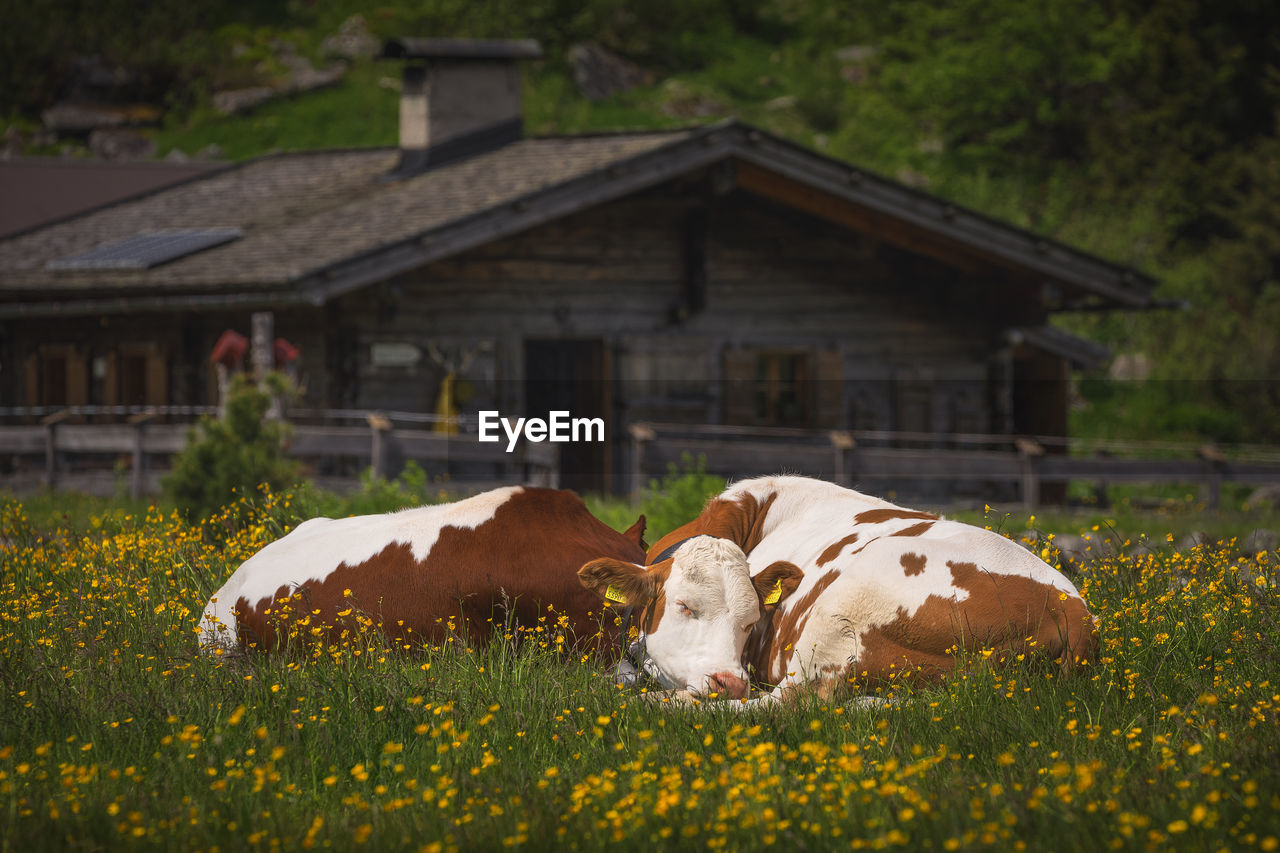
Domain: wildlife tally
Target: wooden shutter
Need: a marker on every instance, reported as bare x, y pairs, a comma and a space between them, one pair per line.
828, 405
157, 393
77, 377
111, 382
739, 387
31, 379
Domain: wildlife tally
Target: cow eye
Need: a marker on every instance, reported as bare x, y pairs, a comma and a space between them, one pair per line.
683, 608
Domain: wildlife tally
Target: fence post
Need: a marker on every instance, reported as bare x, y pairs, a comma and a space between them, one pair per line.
139, 466
50, 424
1028, 451
640, 433
841, 442
1101, 496
380, 429
1213, 459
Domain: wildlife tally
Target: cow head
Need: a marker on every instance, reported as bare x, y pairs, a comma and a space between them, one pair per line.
697, 608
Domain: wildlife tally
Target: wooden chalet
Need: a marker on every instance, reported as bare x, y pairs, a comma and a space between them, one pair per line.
709, 275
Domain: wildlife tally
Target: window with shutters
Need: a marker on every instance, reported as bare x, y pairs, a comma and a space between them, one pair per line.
133, 379
138, 375
794, 388
57, 375
781, 389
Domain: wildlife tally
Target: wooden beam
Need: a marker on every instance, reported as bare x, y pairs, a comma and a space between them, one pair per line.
380, 434
842, 212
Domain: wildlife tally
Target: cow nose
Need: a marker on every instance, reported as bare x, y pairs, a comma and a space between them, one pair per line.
728, 684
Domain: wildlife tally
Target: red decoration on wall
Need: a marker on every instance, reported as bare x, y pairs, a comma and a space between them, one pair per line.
230, 349
285, 353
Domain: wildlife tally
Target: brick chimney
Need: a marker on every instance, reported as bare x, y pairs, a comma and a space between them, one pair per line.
459, 97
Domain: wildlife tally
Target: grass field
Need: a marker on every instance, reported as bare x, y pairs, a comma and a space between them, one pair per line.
115, 733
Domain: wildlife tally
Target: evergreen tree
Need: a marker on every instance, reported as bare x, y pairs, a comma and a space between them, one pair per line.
230, 454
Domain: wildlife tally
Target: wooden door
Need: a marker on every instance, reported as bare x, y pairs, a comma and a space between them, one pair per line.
572, 376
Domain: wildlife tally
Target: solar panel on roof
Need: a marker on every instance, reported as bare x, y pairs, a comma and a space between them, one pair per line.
148, 249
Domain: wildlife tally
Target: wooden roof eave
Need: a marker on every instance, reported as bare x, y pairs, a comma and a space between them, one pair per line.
926, 224
1064, 345
127, 303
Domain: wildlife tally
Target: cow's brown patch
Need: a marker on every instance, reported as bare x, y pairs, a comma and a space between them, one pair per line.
653, 611
768, 638
625, 581
912, 564
741, 521
783, 574
652, 614
512, 566
834, 549
878, 516
1011, 614
913, 530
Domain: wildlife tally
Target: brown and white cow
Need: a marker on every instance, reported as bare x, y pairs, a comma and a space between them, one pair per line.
796, 582
413, 571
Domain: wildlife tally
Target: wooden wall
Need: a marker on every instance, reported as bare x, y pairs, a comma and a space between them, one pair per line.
148, 358
891, 339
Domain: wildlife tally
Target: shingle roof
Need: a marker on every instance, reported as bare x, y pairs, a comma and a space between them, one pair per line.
318, 224
302, 212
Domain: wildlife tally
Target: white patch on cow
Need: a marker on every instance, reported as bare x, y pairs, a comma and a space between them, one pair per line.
803, 516
873, 589
316, 548
709, 577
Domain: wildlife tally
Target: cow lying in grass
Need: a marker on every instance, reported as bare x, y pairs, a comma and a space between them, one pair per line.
805, 585
413, 573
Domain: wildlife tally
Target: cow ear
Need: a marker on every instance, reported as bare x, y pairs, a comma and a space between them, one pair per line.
618, 581
777, 582
636, 533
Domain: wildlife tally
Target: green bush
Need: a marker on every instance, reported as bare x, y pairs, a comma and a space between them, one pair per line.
679, 497
234, 453
676, 499
378, 494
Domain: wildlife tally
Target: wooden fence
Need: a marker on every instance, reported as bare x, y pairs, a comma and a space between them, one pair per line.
63, 451
1018, 462
66, 449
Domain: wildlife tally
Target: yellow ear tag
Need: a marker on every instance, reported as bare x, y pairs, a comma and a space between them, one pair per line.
613, 595
775, 594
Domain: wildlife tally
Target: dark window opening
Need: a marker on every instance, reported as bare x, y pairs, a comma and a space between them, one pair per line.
53, 380
133, 380
781, 389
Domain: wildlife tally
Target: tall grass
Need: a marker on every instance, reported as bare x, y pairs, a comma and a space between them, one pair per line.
115, 732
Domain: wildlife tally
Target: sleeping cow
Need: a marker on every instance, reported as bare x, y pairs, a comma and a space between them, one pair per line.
797, 583
411, 572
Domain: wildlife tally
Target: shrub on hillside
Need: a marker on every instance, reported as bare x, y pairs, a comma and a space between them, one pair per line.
236, 452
